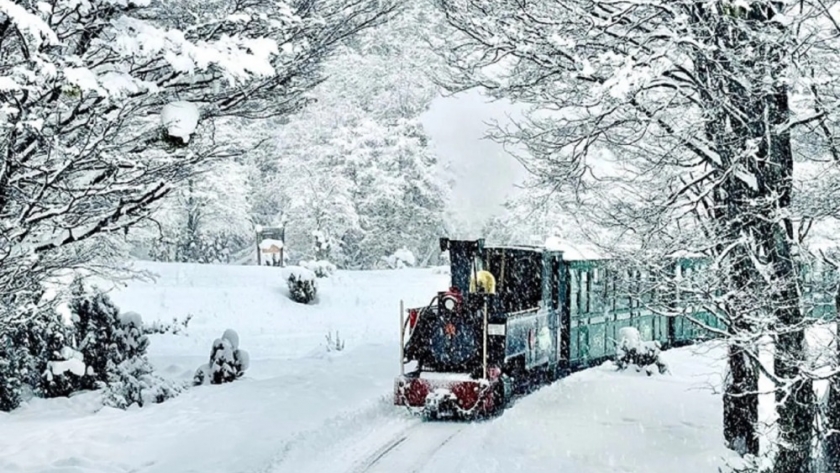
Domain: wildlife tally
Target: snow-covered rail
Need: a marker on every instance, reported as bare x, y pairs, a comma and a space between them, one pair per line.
411, 450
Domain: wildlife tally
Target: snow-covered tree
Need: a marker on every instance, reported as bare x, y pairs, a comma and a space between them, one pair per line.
205, 219
104, 105
36, 358
673, 127
10, 373
356, 168
111, 348
531, 216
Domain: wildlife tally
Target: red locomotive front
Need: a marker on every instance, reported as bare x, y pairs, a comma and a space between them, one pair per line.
446, 346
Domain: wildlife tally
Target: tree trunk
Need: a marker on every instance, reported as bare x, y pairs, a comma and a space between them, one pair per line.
740, 404
756, 215
796, 404
831, 442
740, 395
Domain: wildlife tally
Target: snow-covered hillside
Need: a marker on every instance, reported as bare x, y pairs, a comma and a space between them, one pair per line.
303, 409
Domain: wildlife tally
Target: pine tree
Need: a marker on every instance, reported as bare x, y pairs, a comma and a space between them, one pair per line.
113, 346
227, 362
10, 374
98, 326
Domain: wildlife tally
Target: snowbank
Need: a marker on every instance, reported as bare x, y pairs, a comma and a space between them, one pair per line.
362, 305
601, 420
401, 258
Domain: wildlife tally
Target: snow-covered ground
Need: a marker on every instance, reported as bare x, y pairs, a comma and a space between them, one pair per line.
303, 409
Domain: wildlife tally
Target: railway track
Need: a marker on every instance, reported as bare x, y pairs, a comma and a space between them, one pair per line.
410, 451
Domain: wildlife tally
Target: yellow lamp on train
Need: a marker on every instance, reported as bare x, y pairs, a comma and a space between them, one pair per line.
486, 282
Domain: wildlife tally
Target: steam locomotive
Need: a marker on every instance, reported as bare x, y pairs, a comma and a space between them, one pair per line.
518, 316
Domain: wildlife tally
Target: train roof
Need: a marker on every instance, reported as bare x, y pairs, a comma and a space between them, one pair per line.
571, 251
574, 251
516, 247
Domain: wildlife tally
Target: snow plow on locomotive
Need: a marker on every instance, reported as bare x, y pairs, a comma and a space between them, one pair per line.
493, 329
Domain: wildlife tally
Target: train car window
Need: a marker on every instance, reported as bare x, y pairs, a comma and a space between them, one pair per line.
597, 301
555, 283
620, 290
535, 283
584, 292
677, 283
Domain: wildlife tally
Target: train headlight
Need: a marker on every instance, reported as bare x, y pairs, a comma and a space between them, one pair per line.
449, 303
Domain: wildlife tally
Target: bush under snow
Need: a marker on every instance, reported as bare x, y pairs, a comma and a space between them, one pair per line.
96, 347
302, 283
35, 354
227, 361
113, 352
631, 350
400, 259
64, 373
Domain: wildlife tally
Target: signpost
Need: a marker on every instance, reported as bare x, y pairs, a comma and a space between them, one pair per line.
270, 245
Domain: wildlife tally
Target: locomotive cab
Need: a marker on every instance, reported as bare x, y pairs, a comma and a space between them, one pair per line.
446, 336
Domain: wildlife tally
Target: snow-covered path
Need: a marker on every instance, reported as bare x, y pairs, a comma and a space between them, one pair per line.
412, 450
301, 409
593, 421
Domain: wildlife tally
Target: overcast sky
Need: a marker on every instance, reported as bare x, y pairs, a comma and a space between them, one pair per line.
485, 174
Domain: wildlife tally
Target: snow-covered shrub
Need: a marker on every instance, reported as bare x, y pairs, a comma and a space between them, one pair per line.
113, 347
227, 362
301, 282
334, 344
631, 350
134, 381
64, 373
11, 385
173, 328
28, 346
400, 259
106, 337
321, 268
45, 355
